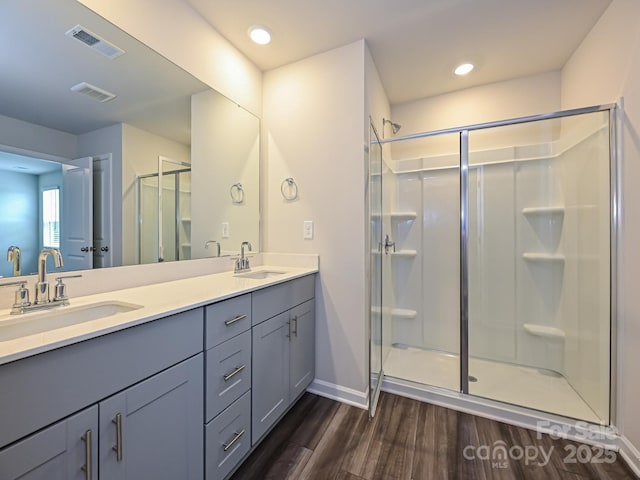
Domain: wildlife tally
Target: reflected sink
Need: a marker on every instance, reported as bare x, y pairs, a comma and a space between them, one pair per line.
260, 275
16, 326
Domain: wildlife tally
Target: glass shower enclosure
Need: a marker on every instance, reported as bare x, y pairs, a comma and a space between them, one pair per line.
501, 281
164, 213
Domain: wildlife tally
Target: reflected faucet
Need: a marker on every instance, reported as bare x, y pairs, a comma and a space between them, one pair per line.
242, 263
42, 286
209, 242
15, 255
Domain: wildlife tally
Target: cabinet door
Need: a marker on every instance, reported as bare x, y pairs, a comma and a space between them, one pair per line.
270, 376
154, 429
303, 351
59, 452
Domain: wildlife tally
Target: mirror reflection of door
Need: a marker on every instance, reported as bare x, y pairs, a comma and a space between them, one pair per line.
76, 220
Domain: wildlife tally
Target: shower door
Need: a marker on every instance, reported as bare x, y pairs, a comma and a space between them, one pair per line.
375, 253
539, 281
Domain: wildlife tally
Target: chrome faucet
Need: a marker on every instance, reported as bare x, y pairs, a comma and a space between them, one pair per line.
15, 255
242, 263
42, 286
209, 242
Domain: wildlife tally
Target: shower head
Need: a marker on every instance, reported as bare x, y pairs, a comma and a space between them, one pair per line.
395, 127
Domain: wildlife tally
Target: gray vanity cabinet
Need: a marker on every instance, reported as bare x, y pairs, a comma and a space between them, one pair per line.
303, 348
151, 430
154, 429
283, 350
59, 452
270, 387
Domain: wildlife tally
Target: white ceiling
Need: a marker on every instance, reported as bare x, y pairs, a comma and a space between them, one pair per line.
415, 43
11, 162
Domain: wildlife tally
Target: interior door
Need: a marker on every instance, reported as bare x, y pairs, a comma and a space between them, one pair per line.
376, 265
76, 217
102, 212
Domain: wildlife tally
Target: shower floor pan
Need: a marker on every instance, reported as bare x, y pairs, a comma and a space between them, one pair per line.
518, 385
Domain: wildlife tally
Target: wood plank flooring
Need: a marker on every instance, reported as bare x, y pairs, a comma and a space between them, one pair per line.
320, 439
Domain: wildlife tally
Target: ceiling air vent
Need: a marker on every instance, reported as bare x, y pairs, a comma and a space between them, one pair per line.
97, 43
94, 92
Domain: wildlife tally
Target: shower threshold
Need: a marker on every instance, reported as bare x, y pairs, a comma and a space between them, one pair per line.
504, 382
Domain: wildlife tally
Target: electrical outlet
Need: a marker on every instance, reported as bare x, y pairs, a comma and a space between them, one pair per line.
225, 229
307, 230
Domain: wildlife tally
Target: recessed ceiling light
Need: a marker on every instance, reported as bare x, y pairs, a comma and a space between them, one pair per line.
463, 69
260, 34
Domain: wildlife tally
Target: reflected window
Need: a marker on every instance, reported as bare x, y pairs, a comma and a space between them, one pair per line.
51, 218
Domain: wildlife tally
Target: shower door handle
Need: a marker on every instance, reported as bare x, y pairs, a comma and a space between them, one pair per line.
388, 244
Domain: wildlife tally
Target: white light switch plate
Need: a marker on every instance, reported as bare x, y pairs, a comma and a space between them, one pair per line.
307, 230
225, 230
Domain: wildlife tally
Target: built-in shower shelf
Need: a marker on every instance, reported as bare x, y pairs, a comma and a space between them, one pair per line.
557, 210
543, 257
404, 253
398, 216
400, 313
544, 331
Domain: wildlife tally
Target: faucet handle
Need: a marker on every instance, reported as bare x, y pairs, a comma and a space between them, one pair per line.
60, 292
21, 298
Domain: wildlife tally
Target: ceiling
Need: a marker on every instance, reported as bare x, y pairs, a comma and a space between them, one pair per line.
415, 43
40, 64
11, 162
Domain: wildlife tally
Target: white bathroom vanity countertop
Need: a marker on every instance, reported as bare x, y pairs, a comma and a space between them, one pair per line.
157, 301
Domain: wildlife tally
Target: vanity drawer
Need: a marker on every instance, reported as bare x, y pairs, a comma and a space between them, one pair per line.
226, 319
228, 438
231, 360
271, 301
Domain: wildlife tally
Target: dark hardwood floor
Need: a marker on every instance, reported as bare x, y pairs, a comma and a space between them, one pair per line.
325, 440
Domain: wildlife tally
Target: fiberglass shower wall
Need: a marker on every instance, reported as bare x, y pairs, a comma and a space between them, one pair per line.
539, 249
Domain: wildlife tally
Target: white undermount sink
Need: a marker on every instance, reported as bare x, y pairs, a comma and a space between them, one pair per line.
260, 274
22, 325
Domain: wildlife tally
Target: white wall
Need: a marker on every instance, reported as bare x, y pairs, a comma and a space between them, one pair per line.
496, 101
604, 68
175, 30
140, 151
225, 150
29, 136
313, 131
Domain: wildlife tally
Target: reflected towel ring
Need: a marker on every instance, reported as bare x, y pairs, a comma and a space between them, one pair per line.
237, 193
292, 193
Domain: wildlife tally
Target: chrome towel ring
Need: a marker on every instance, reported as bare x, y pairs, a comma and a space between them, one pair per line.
237, 193
289, 189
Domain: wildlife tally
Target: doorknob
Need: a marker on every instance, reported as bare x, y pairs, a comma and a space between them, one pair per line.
84, 249
104, 249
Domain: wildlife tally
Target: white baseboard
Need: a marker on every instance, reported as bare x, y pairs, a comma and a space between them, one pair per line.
629, 454
339, 393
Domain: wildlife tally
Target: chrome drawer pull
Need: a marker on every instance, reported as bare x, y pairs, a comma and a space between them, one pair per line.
294, 321
118, 446
227, 446
234, 320
229, 376
86, 468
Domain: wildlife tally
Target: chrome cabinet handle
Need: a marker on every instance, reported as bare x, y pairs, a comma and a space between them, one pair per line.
118, 446
294, 320
234, 320
237, 370
87, 467
288, 335
237, 435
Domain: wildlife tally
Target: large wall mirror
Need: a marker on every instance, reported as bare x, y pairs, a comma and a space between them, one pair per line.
110, 152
